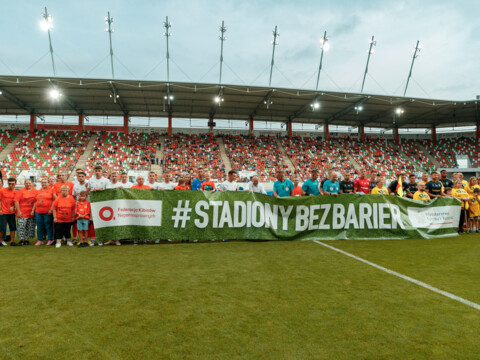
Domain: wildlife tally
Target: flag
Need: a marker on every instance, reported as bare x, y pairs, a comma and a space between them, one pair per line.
400, 187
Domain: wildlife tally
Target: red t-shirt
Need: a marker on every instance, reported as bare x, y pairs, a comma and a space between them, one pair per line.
44, 200
178, 187
7, 197
208, 185
140, 187
297, 191
58, 185
65, 208
26, 199
83, 208
362, 185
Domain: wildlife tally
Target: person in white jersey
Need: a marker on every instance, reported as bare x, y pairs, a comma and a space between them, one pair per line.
124, 180
151, 181
255, 186
167, 184
96, 183
114, 183
230, 184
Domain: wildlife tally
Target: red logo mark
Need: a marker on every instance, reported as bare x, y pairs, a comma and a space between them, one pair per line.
107, 209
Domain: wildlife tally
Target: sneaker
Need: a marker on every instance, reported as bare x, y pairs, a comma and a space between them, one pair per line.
478, 231
92, 244
135, 242
225, 240
4, 243
50, 242
100, 243
58, 245
69, 243
20, 243
14, 244
157, 241
39, 243
470, 231
1, 244
109, 242
195, 241
118, 243
144, 242
26, 242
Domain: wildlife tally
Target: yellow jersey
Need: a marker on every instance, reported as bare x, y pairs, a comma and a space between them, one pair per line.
469, 189
474, 209
421, 195
460, 193
377, 191
464, 183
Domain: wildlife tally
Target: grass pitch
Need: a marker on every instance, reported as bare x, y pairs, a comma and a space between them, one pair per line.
240, 300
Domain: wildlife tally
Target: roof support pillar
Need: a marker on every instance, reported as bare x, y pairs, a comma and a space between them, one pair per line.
125, 124
478, 132
170, 131
362, 133
80, 123
251, 126
397, 138
289, 128
434, 134
210, 126
326, 133
33, 123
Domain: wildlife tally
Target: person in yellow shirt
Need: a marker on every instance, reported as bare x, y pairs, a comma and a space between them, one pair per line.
460, 177
424, 178
472, 184
380, 189
421, 194
474, 211
459, 193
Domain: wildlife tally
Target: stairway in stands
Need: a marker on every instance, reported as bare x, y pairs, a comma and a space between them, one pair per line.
354, 163
159, 155
425, 151
286, 159
11, 146
223, 153
82, 160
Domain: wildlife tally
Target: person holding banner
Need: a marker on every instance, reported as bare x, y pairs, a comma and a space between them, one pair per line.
197, 183
114, 183
447, 183
141, 184
167, 184
255, 186
346, 185
208, 184
459, 193
421, 194
96, 183
332, 187
434, 187
399, 187
373, 180
474, 210
412, 186
230, 184
362, 185
62, 181
380, 189
311, 187
282, 187
151, 181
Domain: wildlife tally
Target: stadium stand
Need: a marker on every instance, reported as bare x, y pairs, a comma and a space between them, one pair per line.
378, 155
116, 151
260, 154
186, 153
411, 149
445, 150
6, 137
309, 153
47, 151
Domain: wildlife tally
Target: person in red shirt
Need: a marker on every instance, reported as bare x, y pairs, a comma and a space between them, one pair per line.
140, 183
51, 183
181, 185
43, 213
63, 216
7, 211
82, 214
188, 181
208, 184
297, 190
24, 203
62, 181
362, 185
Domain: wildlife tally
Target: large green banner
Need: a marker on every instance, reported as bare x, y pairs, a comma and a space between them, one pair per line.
195, 215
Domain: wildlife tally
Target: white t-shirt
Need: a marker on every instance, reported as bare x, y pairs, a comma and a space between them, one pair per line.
228, 186
95, 183
126, 185
77, 188
117, 185
154, 186
165, 186
257, 189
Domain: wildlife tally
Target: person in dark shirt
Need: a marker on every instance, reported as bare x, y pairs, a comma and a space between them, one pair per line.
434, 187
412, 186
373, 180
447, 183
346, 185
392, 189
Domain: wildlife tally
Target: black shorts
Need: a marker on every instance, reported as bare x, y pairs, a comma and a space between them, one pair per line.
10, 220
63, 230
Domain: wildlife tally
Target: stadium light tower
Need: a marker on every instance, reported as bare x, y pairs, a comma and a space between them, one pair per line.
109, 22
276, 34
371, 50
414, 56
47, 24
222, 38
325, 46
167, 25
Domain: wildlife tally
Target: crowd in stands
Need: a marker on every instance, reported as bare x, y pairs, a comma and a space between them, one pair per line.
411, 149
48, 151
116, 151
445, 150
185, 153
260, 154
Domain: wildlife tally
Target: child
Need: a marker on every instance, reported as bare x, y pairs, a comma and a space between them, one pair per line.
208, 184
474, 211
82, 214
181, 185
448, 191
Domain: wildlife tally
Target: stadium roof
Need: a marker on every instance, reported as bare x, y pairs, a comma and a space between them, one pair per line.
101, 97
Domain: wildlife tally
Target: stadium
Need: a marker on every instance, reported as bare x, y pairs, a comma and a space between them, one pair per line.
257, 219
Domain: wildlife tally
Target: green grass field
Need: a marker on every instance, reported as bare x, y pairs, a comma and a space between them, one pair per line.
241, 300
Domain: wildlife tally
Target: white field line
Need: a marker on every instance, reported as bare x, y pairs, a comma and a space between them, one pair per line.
405, 277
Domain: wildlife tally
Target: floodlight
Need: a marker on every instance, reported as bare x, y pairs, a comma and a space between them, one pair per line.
55, 94
399, 111
315, 105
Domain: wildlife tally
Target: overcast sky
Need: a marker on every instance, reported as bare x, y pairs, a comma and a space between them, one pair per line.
448, 66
